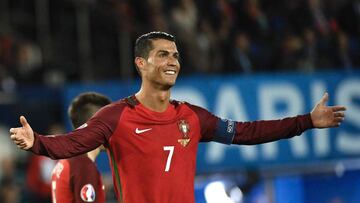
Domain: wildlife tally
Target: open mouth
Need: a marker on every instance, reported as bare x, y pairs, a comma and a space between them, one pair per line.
170, 72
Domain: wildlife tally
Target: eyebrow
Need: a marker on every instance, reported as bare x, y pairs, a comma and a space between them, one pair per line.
167, 52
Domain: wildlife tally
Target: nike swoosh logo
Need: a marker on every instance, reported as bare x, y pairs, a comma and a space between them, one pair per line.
82, 126
138, 131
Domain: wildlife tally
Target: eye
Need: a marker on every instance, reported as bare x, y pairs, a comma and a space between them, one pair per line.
162, 54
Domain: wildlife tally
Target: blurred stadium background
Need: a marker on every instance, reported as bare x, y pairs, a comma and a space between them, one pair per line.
241, 59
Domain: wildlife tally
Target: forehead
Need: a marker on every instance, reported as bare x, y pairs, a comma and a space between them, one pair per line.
163, 44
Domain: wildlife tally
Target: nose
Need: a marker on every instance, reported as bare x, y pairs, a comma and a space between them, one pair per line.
173, 61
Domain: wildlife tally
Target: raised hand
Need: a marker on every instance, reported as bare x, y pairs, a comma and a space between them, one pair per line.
23, 136
327, 116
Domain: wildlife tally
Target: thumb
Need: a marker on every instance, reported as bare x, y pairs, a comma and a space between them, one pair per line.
23, 121
324, 99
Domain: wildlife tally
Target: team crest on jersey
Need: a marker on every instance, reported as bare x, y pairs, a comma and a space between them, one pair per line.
184, 128
87, 193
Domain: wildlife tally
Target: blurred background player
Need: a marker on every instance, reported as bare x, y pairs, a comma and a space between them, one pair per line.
38, 173
77, 179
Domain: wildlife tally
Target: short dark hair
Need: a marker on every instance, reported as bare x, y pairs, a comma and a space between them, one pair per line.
84, 106
143, 44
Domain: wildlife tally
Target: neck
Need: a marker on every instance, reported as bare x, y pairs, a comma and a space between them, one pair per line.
93, 154
154, 99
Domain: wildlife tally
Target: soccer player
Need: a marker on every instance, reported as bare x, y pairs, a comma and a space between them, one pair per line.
152, 140
77, 180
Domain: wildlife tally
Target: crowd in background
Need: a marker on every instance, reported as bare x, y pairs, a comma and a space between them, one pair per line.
213, 36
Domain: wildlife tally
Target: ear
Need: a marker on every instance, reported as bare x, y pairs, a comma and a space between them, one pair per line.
140, 62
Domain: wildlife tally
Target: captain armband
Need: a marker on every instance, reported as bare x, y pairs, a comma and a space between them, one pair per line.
225, 131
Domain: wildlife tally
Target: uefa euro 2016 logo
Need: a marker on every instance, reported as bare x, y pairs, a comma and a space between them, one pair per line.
87, 193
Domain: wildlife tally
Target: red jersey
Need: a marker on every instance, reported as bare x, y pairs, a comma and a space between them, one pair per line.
153, 154
77, 180
38, 177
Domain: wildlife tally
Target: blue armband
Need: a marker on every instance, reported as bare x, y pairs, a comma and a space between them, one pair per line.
225, 131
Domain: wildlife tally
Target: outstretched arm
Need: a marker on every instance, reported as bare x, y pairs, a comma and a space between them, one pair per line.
321, 116
60, 146
262, 131
95, 132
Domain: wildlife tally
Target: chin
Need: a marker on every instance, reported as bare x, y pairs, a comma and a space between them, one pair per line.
167, 82
170, 81
168, 85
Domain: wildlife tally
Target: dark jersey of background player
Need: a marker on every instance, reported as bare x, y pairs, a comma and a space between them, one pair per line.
77, 179
152, 141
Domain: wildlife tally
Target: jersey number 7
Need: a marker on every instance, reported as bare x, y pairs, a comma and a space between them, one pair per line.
168, 161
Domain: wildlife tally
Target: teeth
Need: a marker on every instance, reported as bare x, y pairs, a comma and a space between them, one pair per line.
170, 72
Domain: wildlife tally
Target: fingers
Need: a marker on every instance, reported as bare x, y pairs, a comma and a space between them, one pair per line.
16, 139
338, 119
324, 99
12, 131
18, 142
23, 121
15, 136
339, 114
335, 125
22, 146
338, 108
